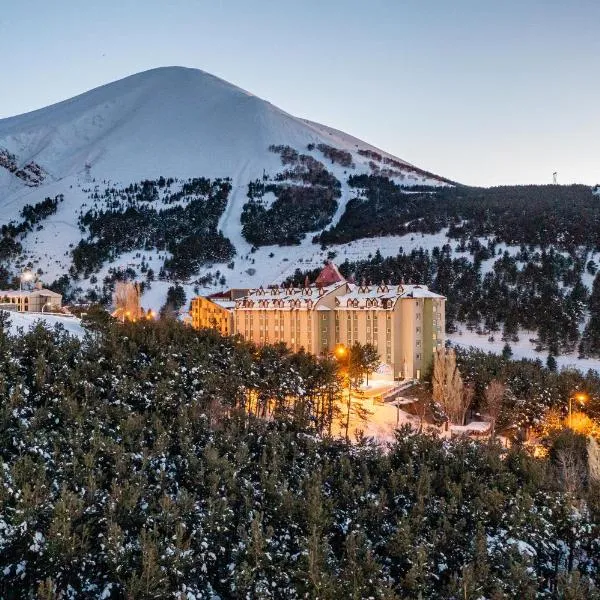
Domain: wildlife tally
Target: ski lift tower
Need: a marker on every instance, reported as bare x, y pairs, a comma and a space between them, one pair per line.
555, 178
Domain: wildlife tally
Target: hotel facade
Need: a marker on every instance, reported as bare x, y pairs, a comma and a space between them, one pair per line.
406, 323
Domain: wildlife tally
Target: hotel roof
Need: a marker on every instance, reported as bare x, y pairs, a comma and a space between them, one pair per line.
280, 297
381, 296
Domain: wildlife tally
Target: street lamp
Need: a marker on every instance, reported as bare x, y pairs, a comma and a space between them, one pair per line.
582, 398
340, 351
25, 276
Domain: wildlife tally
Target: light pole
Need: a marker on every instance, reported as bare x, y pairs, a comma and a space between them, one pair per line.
45, 305
581, 398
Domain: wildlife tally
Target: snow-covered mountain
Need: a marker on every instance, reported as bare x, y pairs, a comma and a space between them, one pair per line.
178, 123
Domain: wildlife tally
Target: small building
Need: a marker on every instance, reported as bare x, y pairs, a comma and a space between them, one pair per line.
212, 313
37, 299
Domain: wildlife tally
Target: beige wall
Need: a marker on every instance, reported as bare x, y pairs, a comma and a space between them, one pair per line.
405, 336
210, 315
34, 302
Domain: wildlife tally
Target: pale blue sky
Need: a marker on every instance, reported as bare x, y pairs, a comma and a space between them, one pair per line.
481, 91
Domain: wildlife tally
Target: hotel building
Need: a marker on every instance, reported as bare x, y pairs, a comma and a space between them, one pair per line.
406, 323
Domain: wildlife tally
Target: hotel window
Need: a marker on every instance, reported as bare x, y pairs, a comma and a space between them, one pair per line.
418, 356
418, 343
418, 330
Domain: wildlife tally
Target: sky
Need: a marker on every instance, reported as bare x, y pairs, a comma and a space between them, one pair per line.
485, 92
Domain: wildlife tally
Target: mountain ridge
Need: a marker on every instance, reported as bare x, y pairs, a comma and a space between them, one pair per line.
180, 125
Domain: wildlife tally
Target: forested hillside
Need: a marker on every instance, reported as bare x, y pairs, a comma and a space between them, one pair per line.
535, 215
134, 466
162, 214
537, 290
305, 199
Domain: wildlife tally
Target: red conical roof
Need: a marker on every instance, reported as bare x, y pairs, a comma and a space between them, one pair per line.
329, 275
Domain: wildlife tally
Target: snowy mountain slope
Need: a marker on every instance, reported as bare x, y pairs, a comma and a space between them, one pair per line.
173, 121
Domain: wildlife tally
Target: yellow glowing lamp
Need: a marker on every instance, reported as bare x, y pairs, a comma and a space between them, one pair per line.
340, 351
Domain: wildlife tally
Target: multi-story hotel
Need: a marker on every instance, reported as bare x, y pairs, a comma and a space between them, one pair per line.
406, 323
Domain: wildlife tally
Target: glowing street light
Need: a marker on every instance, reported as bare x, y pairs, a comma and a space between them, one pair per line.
25, 276
340, 351
581, 398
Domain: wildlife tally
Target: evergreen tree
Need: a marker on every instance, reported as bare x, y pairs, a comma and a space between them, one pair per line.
590, 340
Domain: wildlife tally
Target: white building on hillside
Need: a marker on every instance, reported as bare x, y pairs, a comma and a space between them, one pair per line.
37, 299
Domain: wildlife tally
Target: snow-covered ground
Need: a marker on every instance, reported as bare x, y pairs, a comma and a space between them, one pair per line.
20, 321
521, 349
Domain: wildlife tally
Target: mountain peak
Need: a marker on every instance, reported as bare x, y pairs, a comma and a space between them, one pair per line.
183, 125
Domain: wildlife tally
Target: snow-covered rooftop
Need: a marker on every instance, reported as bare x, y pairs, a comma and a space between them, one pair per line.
382, 295
280, 297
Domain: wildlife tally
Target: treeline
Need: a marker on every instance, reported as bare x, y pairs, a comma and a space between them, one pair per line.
335, 155
531, 388
132, 468
541, 215
188, 231
305, 200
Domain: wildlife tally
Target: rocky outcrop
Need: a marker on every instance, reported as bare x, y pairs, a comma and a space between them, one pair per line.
31, 173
